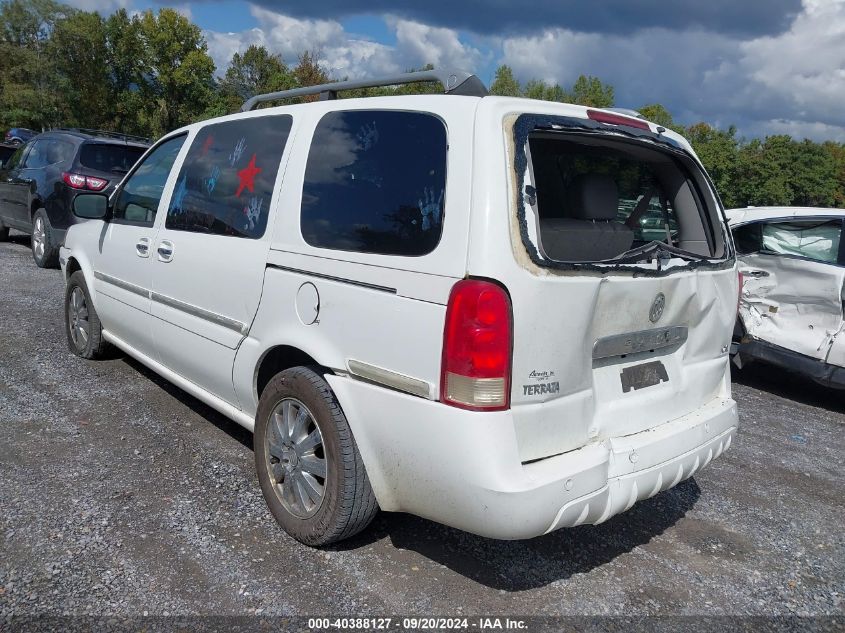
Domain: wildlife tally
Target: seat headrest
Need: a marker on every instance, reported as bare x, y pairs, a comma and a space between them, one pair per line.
593, 197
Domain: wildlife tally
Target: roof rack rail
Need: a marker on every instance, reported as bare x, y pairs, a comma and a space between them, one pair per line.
106, 133
455, 82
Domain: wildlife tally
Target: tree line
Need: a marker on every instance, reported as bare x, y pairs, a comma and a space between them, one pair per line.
151, 72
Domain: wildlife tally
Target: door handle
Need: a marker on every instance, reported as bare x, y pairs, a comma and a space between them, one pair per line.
757, 274
142, 248
165, 251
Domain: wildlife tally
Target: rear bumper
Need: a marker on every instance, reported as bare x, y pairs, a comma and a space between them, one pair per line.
462, 468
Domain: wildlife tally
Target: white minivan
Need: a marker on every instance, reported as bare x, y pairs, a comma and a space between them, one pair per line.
509, 316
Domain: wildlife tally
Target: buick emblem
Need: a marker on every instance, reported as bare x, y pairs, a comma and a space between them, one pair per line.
657, 308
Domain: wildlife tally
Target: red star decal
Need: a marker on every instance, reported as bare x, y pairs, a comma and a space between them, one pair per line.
247, 177
207, 145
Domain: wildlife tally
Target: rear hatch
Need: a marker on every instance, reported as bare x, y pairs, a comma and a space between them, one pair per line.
624, 313
108, 161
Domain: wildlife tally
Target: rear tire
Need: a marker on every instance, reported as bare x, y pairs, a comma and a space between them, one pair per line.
308, 464
44, 251
82, 325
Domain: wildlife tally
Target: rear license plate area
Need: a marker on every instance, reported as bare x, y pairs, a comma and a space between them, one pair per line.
642, 376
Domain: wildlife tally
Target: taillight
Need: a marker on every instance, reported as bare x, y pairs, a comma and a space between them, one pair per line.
617, 119
96, 184
476, 369
78, 181
740, 280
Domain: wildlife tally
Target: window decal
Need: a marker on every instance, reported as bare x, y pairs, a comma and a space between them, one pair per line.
223, 189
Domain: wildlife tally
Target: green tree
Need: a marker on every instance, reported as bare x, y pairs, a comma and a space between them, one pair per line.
126, 54
78, 47
505, 84
256, 71
177, 79
590, 91
308, 72
538, 89
27, 70
836, 151
717, 150
657, 113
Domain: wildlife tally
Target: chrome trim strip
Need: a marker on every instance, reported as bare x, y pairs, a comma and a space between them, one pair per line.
125, 285
635, 342
343, 280
388, 378
202, 313
213, 317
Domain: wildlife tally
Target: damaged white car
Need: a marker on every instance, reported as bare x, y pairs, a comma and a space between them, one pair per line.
793, 285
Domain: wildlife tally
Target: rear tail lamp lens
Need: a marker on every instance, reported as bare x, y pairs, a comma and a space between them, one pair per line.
96, 184
476, 369
78, 181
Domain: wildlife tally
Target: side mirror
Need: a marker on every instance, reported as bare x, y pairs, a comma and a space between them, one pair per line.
91, 206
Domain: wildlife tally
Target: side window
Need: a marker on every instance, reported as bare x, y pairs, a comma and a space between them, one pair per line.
16, 159
138, 199
226, 182
37, 156
375, 182
58, 151
814, 239
748, 238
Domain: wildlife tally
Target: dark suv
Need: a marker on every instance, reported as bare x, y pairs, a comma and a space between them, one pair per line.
40, 180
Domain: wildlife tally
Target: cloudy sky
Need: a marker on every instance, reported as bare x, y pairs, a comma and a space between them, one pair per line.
767, 66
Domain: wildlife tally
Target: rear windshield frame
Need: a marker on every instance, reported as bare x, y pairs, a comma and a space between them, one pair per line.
527, 124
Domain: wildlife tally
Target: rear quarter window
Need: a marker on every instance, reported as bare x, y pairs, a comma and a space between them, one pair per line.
375, 182
225, 185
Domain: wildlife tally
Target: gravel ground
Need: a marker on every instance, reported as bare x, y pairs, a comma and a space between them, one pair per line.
120, 494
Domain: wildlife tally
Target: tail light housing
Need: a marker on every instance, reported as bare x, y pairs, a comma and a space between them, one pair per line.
477, 347
78, 181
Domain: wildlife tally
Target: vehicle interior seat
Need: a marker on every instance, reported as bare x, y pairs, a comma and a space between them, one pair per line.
587, 230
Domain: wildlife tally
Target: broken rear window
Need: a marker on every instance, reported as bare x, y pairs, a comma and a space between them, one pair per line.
594, 199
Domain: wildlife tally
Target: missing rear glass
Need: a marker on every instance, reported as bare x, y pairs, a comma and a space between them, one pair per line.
597, 197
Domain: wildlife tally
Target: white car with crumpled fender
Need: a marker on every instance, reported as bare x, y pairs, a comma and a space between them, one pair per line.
792, 262
449, 306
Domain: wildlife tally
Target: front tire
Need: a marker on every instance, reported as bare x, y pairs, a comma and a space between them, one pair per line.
4, 233
44, 251
82, 325
308, 464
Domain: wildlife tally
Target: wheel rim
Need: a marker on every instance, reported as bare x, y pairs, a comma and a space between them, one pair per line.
38, 238
295, 458
77, 318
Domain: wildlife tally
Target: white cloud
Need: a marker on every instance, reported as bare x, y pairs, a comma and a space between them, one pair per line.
341, 53
789, 83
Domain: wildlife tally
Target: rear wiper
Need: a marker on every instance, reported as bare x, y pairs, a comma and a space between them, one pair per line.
659, 251
119, 170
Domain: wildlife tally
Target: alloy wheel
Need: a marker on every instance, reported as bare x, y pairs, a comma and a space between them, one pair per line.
38, 238
295, 458
77, 316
